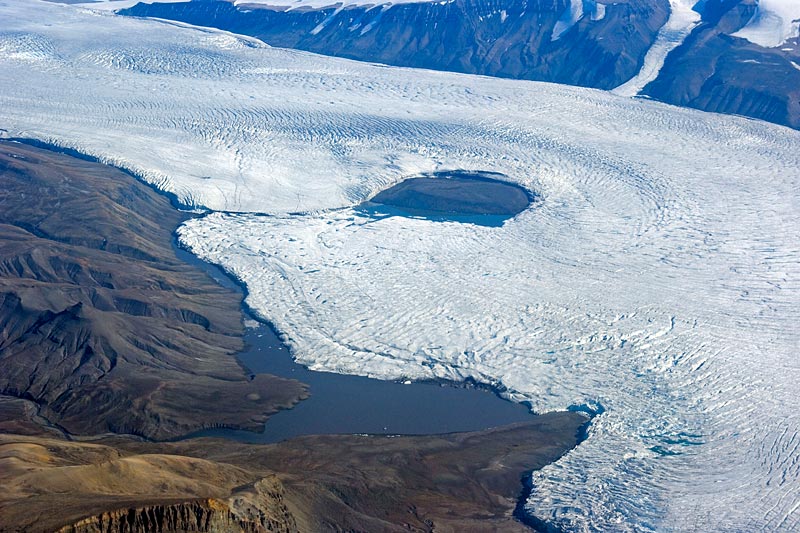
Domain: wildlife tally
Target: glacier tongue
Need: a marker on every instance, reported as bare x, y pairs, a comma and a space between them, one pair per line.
657, 278
682, 20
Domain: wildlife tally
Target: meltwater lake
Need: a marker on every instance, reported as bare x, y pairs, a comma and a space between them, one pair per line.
347, 404
482, 198
342, 403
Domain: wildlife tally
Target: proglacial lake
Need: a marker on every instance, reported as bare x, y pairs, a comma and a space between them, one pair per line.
345, 404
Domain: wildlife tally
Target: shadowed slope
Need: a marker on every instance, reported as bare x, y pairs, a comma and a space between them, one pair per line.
100, 323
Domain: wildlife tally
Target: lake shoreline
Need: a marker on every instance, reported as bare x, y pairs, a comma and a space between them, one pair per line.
286, 369
230, 281
226, 280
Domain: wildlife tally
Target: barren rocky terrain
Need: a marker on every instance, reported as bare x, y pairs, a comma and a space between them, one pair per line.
457, 482
100, 324
714, 71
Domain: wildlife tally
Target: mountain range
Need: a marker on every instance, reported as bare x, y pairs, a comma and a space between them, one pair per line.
727, 56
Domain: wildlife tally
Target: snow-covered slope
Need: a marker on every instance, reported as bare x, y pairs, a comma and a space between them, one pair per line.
110, 5
774, 22
658, 279
574, 13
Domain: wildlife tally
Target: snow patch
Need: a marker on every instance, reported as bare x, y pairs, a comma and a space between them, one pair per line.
774, 23
568, 19
599, 12
574, 13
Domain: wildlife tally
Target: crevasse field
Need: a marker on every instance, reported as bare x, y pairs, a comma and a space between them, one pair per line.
656, 281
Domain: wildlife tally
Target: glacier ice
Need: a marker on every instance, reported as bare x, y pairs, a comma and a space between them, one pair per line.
656, 280
774, 23
289, 5
682, 20
112, 5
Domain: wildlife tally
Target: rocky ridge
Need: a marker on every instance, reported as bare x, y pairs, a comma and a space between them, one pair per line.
532, 40
256, 509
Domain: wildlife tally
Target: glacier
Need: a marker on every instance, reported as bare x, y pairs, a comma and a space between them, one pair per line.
656, 281
289, 5
774, 23
682, 20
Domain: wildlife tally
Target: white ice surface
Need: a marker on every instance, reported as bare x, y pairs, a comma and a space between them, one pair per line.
775, 22
111, 5
569, 18
658, 277
681, 22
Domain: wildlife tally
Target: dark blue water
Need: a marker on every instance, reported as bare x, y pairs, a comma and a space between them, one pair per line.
482, 198
350, 404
